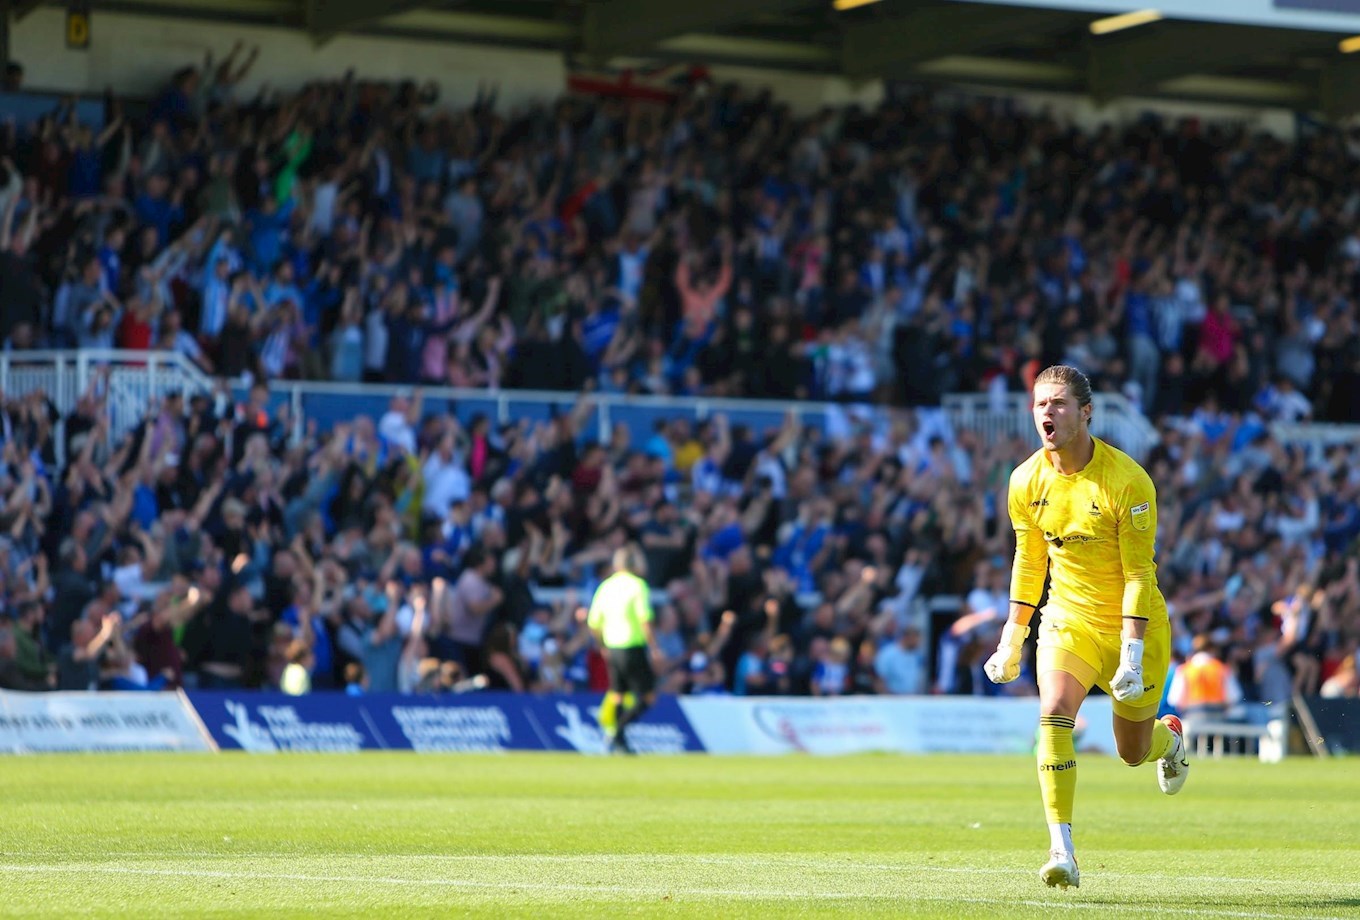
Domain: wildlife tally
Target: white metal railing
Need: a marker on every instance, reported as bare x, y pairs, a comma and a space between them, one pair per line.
997, 417
1315, 437
54, 373
507, 405
133, 379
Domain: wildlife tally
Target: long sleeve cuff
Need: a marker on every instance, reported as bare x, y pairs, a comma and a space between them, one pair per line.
1137, 594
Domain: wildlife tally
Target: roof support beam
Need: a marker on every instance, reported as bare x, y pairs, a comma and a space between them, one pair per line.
326, 19
1340, 89
1136, 62
891, 46
615, 27
22, 8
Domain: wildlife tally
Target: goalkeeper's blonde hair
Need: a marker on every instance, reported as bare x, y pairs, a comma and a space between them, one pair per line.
1077, 383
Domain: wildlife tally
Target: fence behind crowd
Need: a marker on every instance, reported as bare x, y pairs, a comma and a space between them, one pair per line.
134, 379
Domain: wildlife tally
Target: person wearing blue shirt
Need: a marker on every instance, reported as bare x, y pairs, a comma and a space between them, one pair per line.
900, 665
86, 164
873, 273
749, 677
267, 226
284, 286
1144, 357
144, 509
216, 301
175, 105
659, 446
156, 208
323, 656
110, 261
798, 553
598, 328
122, 673
223, 251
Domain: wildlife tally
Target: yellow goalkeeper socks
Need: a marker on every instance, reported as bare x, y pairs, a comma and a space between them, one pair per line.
1057, 767
1162, 742
609, 714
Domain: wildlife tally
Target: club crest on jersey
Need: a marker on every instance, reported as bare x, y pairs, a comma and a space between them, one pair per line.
1095, 510
1141, 516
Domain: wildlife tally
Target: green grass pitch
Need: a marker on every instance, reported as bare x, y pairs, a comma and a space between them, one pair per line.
405, 835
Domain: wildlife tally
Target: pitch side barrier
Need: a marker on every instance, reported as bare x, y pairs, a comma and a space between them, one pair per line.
1338, 723
261, 722
49, 723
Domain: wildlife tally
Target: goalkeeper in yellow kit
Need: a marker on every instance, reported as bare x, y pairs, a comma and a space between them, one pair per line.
1085, 514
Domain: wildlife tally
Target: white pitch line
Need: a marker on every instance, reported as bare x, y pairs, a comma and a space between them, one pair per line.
982, 870
768, 860
745, 894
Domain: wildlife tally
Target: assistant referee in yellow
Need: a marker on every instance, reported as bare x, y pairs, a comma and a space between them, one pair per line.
621, 619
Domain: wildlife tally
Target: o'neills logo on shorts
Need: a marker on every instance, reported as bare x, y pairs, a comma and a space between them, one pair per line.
1070, 765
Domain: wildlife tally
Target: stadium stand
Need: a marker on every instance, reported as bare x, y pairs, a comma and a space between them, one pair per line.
712, 247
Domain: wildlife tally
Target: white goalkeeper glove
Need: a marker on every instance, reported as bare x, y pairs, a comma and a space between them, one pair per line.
1004, 665
1127, 686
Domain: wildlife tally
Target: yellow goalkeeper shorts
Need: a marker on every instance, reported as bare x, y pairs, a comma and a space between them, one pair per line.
1092, 657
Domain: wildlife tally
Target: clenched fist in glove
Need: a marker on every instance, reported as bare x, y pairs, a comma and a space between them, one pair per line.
1004, 665
1127, 686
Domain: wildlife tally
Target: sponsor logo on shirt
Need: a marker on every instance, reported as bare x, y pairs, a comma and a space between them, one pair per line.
1141, 515
1058, 542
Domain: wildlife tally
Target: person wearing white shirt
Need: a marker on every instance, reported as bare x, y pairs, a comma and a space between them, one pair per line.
397, 426
632, 261
446, 481
325, 199
375, 345
135, 573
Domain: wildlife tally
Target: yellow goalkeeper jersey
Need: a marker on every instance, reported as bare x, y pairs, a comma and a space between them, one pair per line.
1093, 533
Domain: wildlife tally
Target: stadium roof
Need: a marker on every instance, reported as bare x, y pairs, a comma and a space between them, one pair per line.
1032, 44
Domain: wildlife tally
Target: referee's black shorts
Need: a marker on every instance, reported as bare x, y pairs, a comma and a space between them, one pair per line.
630, 670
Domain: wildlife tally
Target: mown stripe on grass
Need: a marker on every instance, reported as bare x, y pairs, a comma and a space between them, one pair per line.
633, 892
840, 863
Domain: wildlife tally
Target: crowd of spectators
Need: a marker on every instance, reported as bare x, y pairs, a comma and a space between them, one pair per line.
411, 552
718, 245
356, 230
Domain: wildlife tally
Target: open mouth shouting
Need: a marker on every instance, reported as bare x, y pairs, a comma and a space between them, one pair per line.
1049, 429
